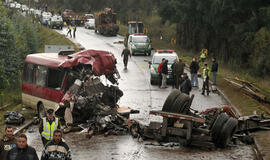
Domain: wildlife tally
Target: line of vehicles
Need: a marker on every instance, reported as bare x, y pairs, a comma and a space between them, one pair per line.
52, 79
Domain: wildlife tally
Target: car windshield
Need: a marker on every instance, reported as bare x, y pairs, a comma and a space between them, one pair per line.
91, 20
140, 39
56, 18
170, 58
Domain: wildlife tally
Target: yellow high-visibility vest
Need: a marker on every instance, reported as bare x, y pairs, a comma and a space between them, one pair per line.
48, 128
203, 55
206, 72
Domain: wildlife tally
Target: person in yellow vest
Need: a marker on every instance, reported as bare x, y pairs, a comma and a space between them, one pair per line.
206, 75
203, 55
47, 126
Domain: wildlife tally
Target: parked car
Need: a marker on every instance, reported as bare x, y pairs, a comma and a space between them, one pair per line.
89, 16
12, 5
170, 55
24, 8
37, 13
56, 22
18, 6
31, 10
139, 43
90, 24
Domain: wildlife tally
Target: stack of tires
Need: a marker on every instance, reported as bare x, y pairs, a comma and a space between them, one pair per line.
222, 130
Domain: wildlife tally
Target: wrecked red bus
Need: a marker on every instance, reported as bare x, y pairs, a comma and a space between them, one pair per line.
46, 76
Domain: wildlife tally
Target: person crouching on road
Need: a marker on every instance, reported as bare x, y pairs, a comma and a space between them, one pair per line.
22, 151
56, 148
185, 86
159, 70
47, 126
164, 74
7, 143
206, 75
125, 53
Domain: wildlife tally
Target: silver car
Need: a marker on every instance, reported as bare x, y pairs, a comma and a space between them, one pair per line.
90, 24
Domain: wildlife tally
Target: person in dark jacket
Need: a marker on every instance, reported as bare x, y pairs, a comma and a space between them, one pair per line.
214, 70
185, 86
22, 151
74, 31
164, 73
56, 148
194, 67
69, 31
125, 54
177, 71
7, 143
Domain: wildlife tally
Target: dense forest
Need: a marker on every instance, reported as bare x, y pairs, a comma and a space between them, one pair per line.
236, 32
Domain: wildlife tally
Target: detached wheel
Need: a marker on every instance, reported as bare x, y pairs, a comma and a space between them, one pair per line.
217, 126
41, 111
170, 100
226, 133
181, 103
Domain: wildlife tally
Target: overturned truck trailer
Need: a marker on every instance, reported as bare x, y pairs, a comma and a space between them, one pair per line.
215, 127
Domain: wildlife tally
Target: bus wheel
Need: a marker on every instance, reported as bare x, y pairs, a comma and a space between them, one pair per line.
41, 111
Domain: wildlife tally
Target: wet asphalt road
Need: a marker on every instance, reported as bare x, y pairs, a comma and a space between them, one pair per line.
138, 94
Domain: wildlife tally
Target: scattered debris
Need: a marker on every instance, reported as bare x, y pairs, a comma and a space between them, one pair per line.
14, 118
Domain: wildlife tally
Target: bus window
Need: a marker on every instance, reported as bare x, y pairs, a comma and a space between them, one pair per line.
55, 78
41, 76
28, 73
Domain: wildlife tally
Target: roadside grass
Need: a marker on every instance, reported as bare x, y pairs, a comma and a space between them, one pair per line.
51, 37
10, 96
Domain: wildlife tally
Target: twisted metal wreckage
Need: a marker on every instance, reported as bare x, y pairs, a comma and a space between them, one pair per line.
88, 103
92, 106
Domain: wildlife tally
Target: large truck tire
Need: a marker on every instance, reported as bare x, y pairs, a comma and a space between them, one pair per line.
226, 132
181, 103
170, 100
217, 126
